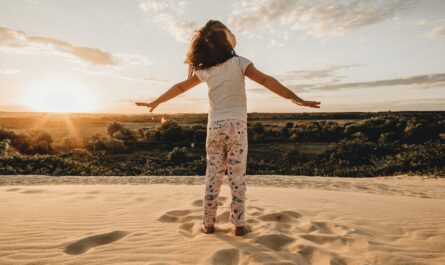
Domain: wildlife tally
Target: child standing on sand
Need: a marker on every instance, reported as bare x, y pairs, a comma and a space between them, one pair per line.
212, 59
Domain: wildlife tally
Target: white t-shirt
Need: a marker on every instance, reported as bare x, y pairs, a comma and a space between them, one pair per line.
226, 89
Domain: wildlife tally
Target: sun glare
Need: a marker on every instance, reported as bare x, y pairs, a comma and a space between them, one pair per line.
56, 95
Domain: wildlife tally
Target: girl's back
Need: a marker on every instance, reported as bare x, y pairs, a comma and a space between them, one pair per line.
212, 59
226, 89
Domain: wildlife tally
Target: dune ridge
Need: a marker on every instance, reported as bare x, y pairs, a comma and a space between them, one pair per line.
160, 224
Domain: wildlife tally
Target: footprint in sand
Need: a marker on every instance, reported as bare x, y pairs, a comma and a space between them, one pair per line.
190, 229
180, 216
83, 245
230, 256
315, 255
325, 228
283, 217
276, 242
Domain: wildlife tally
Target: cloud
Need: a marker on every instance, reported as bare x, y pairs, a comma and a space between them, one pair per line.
8, 71
161, 5
11, 40
327, 72
246, 15
436, 32
180, 30
17, 41
315, 18
418, 81
166, 15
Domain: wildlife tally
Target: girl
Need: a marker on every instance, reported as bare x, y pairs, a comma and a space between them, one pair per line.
211, 58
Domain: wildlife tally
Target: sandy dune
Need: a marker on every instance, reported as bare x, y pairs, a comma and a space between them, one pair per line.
319, 221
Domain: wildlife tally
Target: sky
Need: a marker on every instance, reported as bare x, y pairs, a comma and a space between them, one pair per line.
104, 55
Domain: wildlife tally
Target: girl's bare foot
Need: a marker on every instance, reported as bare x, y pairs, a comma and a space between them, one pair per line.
240, 230
208, 229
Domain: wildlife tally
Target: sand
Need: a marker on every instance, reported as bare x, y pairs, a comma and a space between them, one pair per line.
306, 220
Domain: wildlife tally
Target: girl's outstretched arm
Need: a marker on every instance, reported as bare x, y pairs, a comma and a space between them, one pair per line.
276, 87
174, 91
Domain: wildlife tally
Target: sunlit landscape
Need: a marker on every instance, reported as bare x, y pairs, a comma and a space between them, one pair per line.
62, 96
88, 175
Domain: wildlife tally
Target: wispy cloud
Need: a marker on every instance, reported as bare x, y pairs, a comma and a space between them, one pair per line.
8, 71
93, 61
417, 81
315, 18
326, 72
180, 30
177, 6
167, 14
17, 41
21, 42
436, 32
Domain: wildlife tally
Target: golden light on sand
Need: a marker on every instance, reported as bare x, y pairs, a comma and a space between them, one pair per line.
58, 95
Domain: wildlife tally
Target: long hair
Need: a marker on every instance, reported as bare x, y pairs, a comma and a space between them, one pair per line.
208, 47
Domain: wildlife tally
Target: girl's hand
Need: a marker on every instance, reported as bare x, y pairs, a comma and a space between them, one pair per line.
312, 104
151, 105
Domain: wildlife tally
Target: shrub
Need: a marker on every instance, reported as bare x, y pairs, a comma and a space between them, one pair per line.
293, 156
258, 128
114, 127
4, 146
170, 131
118, 131
178, 154
114, 145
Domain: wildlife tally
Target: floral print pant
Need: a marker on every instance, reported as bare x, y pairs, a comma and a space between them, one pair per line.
226, 146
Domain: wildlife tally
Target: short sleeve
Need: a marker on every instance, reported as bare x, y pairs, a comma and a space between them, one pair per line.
244, 62
199, 74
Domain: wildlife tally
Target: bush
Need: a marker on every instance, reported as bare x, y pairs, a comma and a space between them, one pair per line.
114, 145
118, 131
170, 131
115, 127
4, 146
29, 142
178, 154
293, 156
258, 128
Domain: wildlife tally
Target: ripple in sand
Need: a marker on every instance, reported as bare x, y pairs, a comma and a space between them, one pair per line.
13, 189
83, 245
33, 191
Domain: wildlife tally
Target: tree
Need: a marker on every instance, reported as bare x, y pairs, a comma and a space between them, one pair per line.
170, 131
114, 127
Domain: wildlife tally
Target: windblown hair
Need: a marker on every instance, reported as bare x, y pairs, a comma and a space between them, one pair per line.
209, 46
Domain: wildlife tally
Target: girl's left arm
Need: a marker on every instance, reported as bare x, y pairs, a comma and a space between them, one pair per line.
174, 91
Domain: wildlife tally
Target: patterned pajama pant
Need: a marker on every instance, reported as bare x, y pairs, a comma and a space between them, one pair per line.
226, 146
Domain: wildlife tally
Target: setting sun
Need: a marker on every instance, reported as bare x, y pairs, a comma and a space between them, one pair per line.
57, 95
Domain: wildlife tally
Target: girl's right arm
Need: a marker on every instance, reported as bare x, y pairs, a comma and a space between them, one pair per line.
174, 91
276, 87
